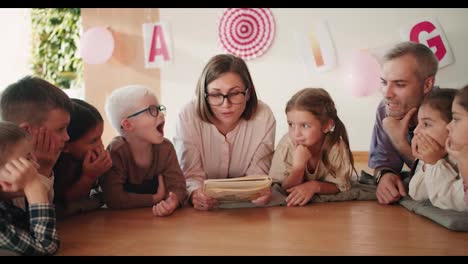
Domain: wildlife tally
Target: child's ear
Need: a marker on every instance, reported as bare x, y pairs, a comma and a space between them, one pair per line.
27, 127
126, 125
329, 126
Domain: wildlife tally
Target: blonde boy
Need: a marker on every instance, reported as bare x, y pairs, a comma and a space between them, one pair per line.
144, 162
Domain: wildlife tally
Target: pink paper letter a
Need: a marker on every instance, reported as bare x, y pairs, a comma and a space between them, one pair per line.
158, 34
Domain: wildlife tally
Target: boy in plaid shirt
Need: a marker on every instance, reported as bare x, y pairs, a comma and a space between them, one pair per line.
32, 232
42, 110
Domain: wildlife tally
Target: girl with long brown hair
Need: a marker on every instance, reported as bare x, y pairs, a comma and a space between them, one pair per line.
314, 157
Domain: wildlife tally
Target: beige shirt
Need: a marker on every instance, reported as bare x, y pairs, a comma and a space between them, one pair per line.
205, 153
440, 183
339, 158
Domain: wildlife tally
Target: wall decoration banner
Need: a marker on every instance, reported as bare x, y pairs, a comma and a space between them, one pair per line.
315, 47
157, 44
430, 33
246, 32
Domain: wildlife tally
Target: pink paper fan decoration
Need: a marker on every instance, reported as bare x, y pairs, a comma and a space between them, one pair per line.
246, 32
96, 45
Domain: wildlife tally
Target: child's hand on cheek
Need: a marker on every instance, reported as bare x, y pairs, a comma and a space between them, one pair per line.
301, 156
428, 149
95, 164
46, 149
93, 155
458, 152
17, 174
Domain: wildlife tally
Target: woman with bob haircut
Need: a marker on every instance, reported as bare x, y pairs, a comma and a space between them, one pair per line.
225, 132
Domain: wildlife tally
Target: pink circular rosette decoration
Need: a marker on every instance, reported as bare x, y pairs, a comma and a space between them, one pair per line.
246, 32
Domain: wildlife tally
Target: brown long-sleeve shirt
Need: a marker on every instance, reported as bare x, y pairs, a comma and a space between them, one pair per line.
126, 185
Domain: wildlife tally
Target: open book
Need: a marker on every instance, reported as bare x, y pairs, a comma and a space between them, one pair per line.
237, 189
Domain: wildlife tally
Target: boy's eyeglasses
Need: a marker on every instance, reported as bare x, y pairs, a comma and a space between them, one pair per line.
152, 109
218, 99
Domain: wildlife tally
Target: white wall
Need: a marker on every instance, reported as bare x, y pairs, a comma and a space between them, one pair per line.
280, 72
15, 29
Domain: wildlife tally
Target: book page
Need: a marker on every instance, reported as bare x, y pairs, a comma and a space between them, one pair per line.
238, 189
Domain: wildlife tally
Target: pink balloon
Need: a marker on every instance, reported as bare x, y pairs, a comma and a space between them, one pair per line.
362, 74
96, 45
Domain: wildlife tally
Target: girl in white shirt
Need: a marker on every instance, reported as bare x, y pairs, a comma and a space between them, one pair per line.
436, 177
457, 141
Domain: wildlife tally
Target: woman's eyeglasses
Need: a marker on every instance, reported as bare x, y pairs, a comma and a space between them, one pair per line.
218, 99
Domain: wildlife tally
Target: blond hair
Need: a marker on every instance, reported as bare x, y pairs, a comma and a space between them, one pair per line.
123, 101
10, 135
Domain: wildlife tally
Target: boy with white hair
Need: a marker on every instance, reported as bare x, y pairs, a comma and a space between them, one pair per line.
144, 163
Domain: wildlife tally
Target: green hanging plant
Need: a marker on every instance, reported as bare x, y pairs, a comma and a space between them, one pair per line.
55, 36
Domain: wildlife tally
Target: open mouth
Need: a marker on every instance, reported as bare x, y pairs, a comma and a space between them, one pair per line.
393, 106
160, 128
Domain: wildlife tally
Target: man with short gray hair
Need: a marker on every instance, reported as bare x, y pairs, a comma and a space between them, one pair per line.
408, 75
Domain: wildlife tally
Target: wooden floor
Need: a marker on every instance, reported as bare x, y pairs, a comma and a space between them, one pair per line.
340, 228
